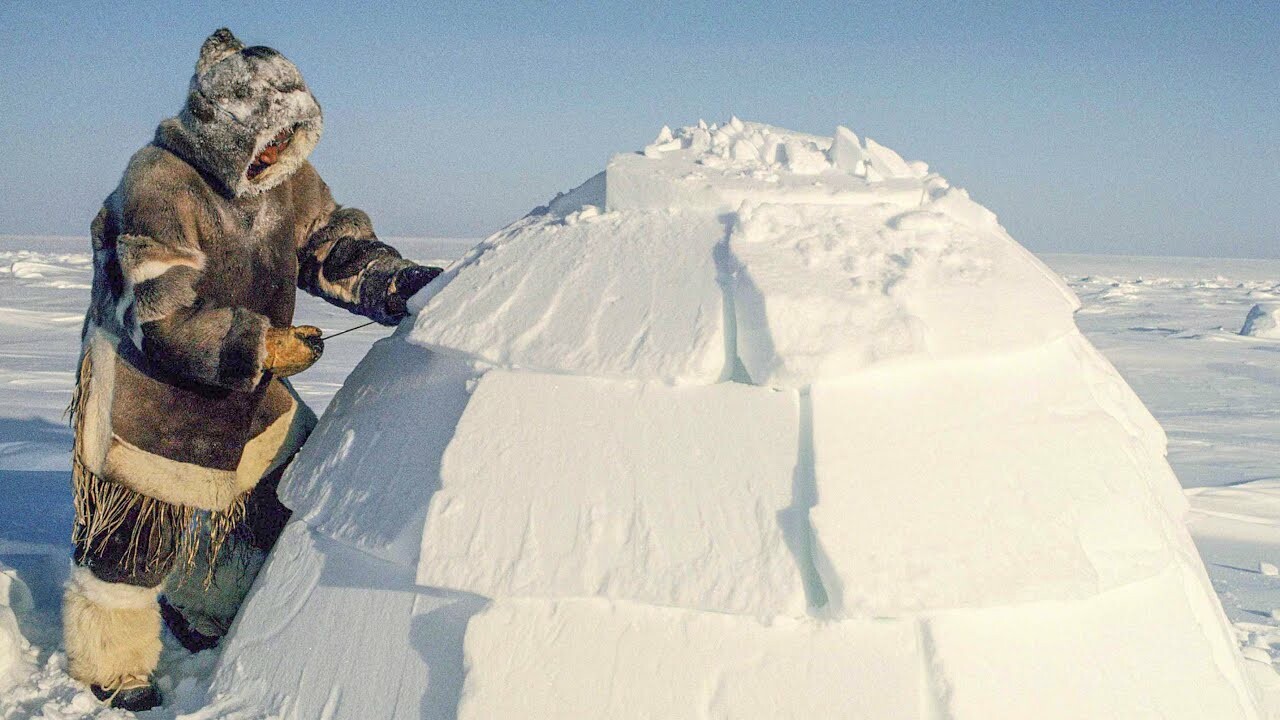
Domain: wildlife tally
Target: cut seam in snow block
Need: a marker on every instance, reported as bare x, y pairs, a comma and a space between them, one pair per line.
368, 471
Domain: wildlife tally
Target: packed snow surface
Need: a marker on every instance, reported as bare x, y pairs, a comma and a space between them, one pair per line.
516, 519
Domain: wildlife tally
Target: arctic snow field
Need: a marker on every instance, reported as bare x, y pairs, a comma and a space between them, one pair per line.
1170, 325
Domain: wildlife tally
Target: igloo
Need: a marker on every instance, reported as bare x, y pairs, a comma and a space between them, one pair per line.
753, 424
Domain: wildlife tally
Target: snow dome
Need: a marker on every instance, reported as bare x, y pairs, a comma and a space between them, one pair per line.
752, 424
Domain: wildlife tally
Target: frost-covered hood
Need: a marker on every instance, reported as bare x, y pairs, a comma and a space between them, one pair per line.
238, 100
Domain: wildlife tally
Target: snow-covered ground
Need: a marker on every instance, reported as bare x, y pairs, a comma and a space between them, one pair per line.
1169, 325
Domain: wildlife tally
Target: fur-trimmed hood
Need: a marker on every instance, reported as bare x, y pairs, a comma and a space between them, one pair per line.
239, 99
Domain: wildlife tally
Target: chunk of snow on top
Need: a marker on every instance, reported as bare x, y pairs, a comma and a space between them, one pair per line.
738, 146
1262, 321
720, 166
845, 152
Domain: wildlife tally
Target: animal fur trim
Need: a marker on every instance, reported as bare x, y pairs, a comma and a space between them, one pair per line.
114, 596
108, 642
172, 481
91, 404
304, 140
103, 507
203, 488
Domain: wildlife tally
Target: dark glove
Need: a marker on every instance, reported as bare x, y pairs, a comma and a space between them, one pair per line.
291, 350
407, 282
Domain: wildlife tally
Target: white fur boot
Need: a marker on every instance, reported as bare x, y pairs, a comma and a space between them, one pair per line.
112, 636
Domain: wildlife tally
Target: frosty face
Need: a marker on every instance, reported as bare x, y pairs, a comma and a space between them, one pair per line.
249, 117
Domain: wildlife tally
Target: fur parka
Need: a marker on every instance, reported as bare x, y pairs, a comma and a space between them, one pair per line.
193, 262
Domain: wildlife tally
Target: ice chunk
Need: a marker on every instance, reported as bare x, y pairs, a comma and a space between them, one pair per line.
888, 162
366, 474
984, 483
845, 152
594, 659
1262, 321
717, 169
1154, 649
563, 486
825, 291
632, 296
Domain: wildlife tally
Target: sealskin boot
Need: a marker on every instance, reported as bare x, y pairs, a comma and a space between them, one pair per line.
193, 640
132, 693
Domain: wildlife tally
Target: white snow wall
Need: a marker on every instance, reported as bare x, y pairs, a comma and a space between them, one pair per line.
753, 424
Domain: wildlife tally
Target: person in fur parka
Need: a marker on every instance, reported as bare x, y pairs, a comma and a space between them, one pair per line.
183, 417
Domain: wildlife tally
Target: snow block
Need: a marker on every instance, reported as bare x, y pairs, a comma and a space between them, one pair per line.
985, 483
1147, 650
566, 487
330, 632
594, 659
824, 291
367, 473
601, 295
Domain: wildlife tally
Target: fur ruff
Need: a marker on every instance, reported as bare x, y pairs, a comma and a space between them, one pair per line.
111, 631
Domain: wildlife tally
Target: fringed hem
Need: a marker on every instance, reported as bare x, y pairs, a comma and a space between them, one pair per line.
162, 534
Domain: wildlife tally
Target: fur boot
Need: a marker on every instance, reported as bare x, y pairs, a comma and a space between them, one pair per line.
111, 632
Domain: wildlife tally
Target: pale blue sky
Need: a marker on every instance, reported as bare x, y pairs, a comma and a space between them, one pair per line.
1151, 129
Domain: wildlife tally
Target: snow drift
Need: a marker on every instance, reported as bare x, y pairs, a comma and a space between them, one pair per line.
1262, 321
752, 424
15, 652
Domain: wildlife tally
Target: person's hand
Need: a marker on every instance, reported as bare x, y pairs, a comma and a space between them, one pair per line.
291, 350
407, 282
